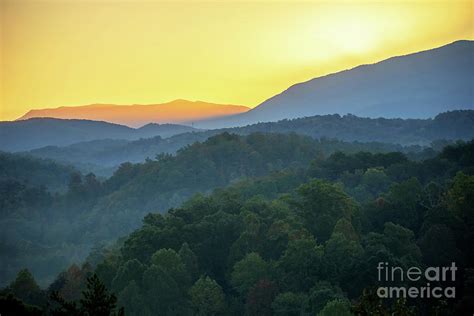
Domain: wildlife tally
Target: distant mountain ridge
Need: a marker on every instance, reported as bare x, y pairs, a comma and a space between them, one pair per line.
39, 132
102, 156
418, 85
136, 115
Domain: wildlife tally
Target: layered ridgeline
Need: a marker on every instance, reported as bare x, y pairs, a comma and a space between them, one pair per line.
39, 132
296, 242
45, 232
177, 112
418, 85
102, 156
36, 133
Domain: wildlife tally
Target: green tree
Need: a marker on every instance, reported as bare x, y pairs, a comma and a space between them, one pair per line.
172, 264
401, 242
345, 228
107, 270
375, 181
260, 298
289, 304
301, 263
248, 271
461, 197
322, 204
131, 270
438, 246
320, 295
97, 300
369, 304
340, 257
131, 299
337, 307
403, 204
25, 288
207, 297
161, 292
190, 260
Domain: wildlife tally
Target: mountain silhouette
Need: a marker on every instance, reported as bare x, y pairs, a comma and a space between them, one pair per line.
177, 111
419, 85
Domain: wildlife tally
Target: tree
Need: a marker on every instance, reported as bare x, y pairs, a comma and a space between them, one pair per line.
337, 307
322, 204
25, 288
161, 292
207, 297
369, 304
289, 304
95, 300
438, 246
345, 228
461, 197
460, 201
340, 257
75, 279
260, 298
131, 299
401, 242
190, 260
132, 270
300, 264
172, 264
75, 183
403, 204
320, 294
107, 270
248, 271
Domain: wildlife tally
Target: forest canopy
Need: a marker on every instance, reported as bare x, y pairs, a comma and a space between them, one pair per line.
279, 228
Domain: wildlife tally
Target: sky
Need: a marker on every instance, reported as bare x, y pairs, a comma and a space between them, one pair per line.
76, 52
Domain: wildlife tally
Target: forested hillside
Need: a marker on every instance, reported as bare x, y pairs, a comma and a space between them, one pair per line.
63, 228
103, 156
304, 241
35, 172
451, 125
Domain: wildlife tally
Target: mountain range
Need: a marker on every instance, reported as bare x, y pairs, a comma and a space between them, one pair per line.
419, 85
39, 132
177, 111
103, 156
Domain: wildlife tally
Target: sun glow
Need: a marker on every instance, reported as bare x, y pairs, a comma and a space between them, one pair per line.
61, 52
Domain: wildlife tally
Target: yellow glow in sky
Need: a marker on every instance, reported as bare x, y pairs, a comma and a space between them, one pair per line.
75, 52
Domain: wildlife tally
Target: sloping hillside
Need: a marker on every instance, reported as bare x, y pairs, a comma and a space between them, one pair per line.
419, 85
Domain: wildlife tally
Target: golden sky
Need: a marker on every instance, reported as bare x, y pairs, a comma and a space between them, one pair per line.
74, 52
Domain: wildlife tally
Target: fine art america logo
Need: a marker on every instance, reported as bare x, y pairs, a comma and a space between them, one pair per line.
434, 281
